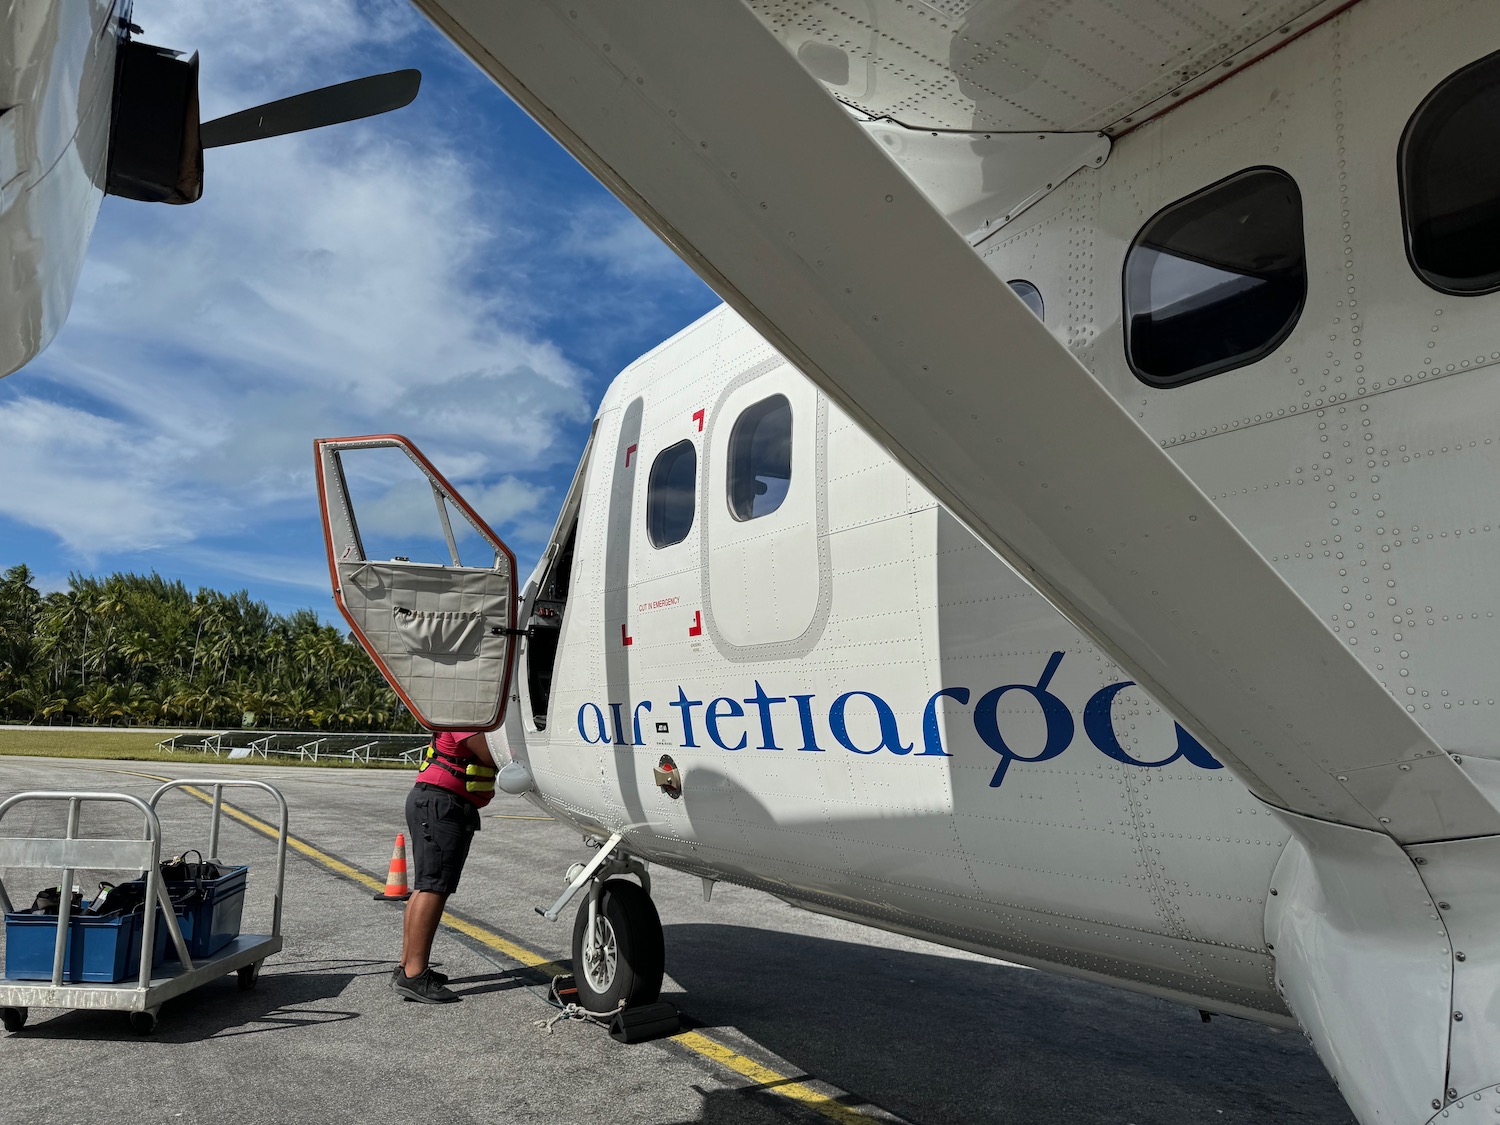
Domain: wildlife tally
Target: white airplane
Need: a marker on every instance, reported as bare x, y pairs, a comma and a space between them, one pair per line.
1070, 543
85, 111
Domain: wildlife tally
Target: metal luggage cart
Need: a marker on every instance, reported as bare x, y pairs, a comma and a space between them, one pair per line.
143, 996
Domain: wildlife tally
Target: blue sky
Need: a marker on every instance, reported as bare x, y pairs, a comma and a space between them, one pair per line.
446, 271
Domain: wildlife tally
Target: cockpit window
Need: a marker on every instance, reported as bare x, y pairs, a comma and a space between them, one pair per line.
671, 494
760, 458
1450, 182
1031, 295
1217, 280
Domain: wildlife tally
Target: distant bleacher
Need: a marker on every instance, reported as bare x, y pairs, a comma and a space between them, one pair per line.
306, 746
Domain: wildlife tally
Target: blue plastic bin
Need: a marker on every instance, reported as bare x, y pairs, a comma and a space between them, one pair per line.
212, 922
100, 950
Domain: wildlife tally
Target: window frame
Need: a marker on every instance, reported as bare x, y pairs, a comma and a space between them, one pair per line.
1157, 382
732, 461
1442, 86
651, 492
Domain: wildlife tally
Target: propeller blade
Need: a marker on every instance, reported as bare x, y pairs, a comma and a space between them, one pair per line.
347, 101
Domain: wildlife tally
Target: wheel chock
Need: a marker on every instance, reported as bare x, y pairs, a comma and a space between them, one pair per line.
648, 1021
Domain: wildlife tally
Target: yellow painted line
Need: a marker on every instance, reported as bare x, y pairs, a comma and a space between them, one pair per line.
509, 948
302, 847
339, 867
516, 816
469, 929
773, 1080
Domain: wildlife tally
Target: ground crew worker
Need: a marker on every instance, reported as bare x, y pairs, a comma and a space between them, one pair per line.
456, 780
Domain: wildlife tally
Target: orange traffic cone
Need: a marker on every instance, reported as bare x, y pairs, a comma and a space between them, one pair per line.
396, 889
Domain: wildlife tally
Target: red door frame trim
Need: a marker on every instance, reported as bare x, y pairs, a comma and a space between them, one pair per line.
512, 649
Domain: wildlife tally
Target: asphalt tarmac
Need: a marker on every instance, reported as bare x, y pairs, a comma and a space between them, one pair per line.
790, 1016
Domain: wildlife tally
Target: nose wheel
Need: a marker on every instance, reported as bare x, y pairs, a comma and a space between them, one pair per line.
622, 956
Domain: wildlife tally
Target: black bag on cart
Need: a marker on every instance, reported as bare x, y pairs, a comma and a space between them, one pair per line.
182, 878
112, 900
185, 879
49, 901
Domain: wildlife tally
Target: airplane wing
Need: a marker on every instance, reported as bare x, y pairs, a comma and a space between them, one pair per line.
714, 133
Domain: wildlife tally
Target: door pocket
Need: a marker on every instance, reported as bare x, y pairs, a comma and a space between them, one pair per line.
438, 633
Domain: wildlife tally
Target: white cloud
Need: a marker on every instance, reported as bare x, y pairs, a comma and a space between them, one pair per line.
301, 571
407, 508
334, 283
95, 482
378, 276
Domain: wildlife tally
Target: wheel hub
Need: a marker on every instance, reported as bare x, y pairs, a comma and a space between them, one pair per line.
601, 955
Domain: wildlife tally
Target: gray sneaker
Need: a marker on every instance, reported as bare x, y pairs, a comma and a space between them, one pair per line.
423, 987
441, 978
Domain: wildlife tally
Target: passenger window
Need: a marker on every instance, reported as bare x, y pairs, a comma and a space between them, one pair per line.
670, 494
760, 458
1217, 280
1031, 295
1450, 182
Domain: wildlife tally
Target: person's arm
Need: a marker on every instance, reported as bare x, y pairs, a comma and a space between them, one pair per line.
476, 745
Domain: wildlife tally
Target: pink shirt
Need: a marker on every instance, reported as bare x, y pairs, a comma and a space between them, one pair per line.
451, 742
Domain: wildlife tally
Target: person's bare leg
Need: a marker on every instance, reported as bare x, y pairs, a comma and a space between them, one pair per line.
405, 934
418, 927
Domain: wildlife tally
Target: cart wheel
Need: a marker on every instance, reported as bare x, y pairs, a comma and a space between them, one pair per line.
13, 1018
143, 1023
249, 976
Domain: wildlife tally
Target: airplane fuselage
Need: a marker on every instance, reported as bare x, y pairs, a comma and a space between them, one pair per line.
872, 714
875, 717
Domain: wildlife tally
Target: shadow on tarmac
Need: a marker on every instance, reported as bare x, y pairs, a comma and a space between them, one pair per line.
503, 981
936, 1038
729, 1107
219, 1009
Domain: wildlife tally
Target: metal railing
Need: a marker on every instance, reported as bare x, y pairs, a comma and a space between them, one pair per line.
305, 746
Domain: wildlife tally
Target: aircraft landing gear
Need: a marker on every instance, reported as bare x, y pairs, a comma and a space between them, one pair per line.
619, 956
618, 951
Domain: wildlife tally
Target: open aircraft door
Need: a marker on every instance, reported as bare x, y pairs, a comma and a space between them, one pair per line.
442, 634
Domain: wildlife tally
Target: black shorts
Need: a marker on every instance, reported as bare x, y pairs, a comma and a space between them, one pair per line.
441, 824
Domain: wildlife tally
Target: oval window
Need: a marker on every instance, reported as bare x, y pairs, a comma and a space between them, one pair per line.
1217, 280
1450, 182
1031, 295
760, 458
670, 499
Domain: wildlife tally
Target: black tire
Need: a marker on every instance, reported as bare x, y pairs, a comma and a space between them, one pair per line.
249, 976
143, 1023
636, 960
14, 1019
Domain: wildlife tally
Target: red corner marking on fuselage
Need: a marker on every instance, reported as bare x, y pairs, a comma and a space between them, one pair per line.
698, 417
696, 628
625, 638
629, 449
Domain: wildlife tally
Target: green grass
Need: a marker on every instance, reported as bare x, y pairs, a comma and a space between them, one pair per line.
132, 746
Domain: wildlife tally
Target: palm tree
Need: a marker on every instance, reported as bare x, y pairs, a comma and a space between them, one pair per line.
66, 627
142, 704
298, 704
102, 702
41, 703
137, 649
